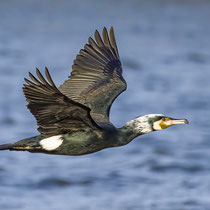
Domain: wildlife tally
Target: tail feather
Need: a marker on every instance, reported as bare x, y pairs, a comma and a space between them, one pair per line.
7, 146
28, 144
18, 147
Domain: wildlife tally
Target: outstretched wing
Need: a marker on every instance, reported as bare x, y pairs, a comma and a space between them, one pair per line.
96, 77
55, 113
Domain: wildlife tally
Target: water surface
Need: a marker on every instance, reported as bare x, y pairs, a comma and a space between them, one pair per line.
165, 51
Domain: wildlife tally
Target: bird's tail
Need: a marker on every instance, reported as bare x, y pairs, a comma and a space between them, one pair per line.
18, 147
28, 144
7, 146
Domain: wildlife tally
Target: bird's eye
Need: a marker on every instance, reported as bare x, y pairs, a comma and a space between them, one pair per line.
163, 119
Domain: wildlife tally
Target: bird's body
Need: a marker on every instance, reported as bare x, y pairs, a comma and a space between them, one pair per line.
81, 142
74, 118
72, 143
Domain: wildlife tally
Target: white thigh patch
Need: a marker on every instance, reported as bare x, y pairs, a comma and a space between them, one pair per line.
51, 143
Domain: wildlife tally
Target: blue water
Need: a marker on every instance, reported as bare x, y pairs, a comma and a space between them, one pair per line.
165, 50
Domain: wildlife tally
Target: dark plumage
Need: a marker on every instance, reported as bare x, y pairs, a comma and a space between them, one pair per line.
74, 118
55, 113
96, 77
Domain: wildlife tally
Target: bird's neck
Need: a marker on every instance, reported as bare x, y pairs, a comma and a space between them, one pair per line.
131, 130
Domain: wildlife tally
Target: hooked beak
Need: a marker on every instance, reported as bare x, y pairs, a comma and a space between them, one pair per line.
179, 121
167, 122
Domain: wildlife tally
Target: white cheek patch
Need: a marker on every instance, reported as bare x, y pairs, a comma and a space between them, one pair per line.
156, 125
51, 143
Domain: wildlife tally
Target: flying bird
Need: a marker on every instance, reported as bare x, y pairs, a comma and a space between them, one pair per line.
74, 118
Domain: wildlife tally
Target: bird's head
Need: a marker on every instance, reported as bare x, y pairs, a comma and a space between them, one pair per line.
153, 122
163, 122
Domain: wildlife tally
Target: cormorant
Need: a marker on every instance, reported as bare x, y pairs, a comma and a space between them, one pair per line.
74, 118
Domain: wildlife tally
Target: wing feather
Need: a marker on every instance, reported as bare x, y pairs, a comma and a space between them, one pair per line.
96, 78
55, 113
